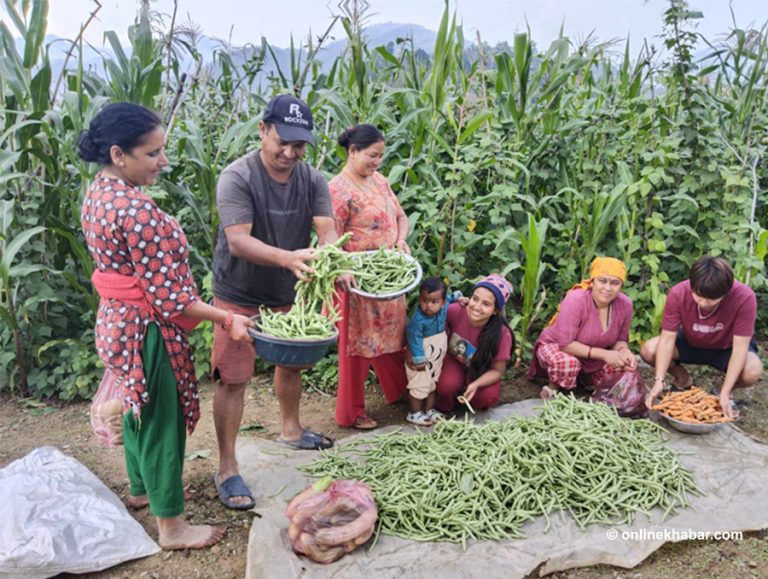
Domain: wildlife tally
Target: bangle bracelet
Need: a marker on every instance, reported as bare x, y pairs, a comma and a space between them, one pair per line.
657, 379
589, 353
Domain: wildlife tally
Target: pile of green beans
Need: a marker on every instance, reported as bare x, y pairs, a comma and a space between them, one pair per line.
301, 322
383, 271
484, 481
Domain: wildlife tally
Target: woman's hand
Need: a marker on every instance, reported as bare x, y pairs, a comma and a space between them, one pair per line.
239, 329
346, 281
470, 392
613, 358
630, 362
464, 301
401, 245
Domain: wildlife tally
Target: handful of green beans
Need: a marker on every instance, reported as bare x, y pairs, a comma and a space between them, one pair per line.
484, 481
329, 263
383, 271
305, 320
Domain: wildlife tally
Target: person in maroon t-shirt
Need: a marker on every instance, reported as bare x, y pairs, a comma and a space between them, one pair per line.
708, 319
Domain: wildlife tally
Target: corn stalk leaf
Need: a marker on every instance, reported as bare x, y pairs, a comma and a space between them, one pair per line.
35, 34
10, 249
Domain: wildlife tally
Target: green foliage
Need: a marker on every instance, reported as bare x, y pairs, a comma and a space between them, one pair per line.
533, 246
324, 376
67, 369
528, 162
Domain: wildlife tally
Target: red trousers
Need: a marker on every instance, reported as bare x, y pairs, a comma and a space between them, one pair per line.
353, 370
453, 380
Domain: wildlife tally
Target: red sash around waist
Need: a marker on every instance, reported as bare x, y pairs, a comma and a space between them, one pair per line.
127, 289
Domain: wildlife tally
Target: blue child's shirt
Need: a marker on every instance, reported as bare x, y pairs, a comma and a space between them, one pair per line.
421, 326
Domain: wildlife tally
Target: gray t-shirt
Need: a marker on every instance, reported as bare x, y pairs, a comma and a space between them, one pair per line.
281, 215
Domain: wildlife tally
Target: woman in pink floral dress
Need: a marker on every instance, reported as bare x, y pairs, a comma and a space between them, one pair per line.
149, 302
371, 332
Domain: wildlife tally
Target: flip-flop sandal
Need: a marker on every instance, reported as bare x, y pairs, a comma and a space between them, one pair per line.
435, 415
234, 486
364, 422
418, 418
309, 440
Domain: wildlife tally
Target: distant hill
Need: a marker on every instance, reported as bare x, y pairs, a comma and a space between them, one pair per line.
376, 35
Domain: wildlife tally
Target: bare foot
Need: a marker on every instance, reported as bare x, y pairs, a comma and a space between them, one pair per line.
142, 502
682, 379
548, 392
176, 534
137, 503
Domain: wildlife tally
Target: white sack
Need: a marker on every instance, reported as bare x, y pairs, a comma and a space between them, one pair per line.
58, 517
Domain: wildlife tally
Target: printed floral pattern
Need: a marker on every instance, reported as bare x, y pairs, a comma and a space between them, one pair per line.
128, 234
375, 327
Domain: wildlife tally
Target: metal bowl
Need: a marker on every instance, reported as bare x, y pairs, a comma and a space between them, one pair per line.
290, 353
690, 428
395, 294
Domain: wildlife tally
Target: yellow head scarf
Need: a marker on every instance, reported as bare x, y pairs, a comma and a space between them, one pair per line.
607, 266
600, 266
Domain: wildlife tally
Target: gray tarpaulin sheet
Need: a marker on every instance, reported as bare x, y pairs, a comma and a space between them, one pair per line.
728, 466
57, 517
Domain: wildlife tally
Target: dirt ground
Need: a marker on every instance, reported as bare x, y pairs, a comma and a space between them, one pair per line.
24, 428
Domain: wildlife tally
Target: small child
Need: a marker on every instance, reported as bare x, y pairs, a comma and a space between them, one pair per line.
427, 344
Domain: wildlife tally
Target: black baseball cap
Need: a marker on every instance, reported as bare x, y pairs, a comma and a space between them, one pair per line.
291, 117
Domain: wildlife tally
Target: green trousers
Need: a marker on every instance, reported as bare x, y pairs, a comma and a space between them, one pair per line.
154, 444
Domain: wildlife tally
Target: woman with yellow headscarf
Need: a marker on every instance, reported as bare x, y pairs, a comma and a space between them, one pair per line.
588, 335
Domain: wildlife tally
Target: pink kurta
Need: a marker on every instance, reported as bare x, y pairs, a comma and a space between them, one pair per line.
376, 327
579, 321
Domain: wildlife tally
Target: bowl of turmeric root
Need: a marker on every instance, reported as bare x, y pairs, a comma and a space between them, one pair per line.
693, 411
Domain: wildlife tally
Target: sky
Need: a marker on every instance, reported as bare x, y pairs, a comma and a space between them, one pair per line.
245, 21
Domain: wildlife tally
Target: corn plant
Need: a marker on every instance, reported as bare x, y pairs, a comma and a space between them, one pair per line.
138, 78
532, 244
11, 276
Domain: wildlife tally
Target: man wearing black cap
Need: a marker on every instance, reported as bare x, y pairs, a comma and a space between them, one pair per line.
268, 202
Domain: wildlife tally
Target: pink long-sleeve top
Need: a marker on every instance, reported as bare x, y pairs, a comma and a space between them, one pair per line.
579, 321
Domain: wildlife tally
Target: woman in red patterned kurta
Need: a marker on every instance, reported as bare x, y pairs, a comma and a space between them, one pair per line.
371, 332
148, 303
